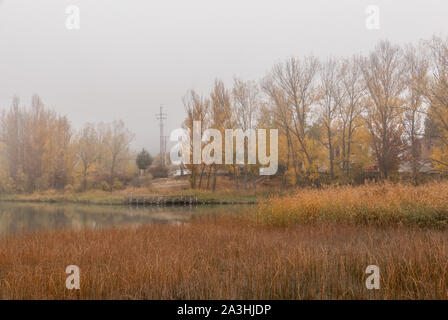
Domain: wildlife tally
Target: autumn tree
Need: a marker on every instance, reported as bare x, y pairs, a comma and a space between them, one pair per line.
415, 77
383, 72
87, 150
38, 145
12, 129
59, 157
350, 107
436, 94
246, 103
296, 81
116, 139
277, 105
329, 99
197, 108
221, 117
42, 151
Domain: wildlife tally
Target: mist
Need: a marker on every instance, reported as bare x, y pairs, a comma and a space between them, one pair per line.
128, 58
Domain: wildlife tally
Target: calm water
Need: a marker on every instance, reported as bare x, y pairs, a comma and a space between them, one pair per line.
21, 217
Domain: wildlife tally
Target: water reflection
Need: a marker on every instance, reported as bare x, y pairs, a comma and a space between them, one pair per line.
20, 217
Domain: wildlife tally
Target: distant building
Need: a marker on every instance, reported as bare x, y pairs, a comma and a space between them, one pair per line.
425, 164
179, 173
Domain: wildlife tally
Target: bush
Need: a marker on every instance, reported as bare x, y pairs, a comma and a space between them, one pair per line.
142, 181
68, 188
159, 172
118, 185
105, 186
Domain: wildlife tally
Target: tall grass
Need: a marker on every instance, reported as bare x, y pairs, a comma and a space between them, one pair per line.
315, 244
227, 259
386, 204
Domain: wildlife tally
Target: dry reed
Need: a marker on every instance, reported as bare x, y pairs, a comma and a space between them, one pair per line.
227, 259
385, 204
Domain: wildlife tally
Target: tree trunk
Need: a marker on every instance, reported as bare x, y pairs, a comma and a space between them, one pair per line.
330, 151
344, 145
235, 176
193, 177
349, 148
208, 177
202, 174
84, 181
214, 179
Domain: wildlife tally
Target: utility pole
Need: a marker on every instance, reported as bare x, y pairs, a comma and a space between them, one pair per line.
161, 117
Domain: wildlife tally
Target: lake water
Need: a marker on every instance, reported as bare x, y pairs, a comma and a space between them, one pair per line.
22, 217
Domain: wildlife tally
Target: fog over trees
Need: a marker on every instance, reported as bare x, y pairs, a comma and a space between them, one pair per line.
385, 112
340, 117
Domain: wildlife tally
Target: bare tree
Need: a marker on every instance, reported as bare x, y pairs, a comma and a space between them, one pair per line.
246, 102
221, 115
197, 109
436, 94
353, 91
415, 79
87, 150
296, 79
383, 76
329, 98
282, 119
116, 139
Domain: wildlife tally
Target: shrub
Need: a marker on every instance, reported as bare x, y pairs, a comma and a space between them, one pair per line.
104, 186
142, 181
118, 185
68, 188
159, 172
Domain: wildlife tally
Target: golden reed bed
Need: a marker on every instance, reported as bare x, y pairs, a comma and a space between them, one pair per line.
227, 260
378, 204
313, 245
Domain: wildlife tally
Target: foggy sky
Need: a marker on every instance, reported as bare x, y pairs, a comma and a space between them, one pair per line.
131, 56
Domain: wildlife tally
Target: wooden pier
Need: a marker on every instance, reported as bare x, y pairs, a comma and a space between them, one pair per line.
168, 200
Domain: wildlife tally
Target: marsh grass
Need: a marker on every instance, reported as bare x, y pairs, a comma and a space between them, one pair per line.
383, 205
227, 259
315, 244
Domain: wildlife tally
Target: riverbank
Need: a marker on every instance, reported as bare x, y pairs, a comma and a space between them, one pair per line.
99, 197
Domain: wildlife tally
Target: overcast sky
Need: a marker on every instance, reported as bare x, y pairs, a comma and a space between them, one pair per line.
130, 56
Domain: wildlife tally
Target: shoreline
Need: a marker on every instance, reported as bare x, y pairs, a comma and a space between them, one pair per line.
122, 201
205, 203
